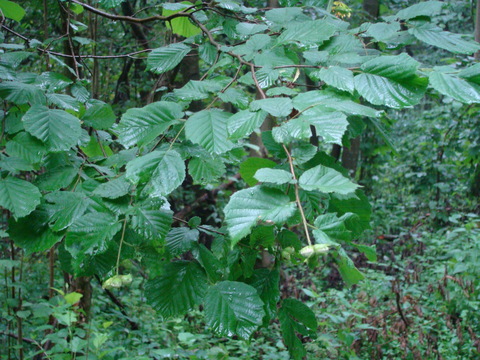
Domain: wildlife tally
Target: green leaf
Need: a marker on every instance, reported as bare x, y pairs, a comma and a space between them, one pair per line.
56, 128
56, 178
208, 128
151, 221
326, 180
181, 286
337, 77
369, 251
258, 204
25, 146
66, 207
113, 189
391, 81
330, 125
166, 58
383, 31
139, 126
20, 93
278, 107
197, 90
294, 129
99, 116
209, 262
330, 227
181, 25
267, 284
435, 36
180, 240
64, 101
326, 99
307, 32
89, 235
235, 97
18, 196
263, 236
454, 86
206, 170
32, 232
350, 274
163, 171
233, 308
426, 8
358, 205
249, 167
11, 10
274, 176
243, 123
296, 317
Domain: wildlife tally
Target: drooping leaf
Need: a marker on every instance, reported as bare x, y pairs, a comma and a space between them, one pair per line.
233, 308
278, 107
209, 262
18, 196
56, 178
20, 93
180, 287
326, 180
426, 8
435, 36
266, 282
151, 221
330, 125
89, 235
391, 81
294, 129
296, 317
163, 171
64, 101
56, 128
26, 147
139, 126
307, 32
274, 176
32, 233
99, 116
113, 189
167, 57
66, 207
337, 77
456, 87
208, 128
249, 167
243, 123
349, 272
329, 228
180, 240
206, 170
357, 204
255, 205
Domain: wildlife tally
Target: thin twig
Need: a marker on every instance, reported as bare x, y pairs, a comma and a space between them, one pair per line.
297, 196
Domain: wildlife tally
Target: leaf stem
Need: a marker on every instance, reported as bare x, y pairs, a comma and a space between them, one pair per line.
120, 246
297, 196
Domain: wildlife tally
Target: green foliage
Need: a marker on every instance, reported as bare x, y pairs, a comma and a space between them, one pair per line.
104, 194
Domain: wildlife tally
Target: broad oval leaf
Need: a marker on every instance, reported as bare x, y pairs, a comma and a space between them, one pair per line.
151, 221
391, 81
258, 204
139, 126
208, 128
181, 286
245, 122
167, 57
435, 36
454, 86
56, 128
18, 196
326, 180
163, 171
278, 107
274, 176
233, 308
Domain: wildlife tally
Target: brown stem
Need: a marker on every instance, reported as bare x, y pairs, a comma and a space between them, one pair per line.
297, 196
